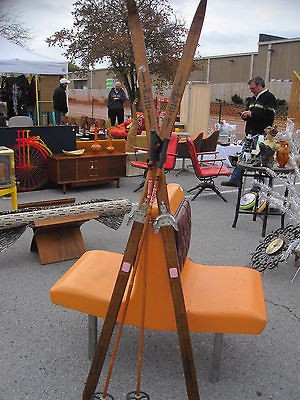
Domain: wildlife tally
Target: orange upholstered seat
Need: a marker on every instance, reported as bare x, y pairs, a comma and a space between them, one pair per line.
211, 294
224, 299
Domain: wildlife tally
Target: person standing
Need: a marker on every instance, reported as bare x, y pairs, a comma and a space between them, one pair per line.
116, 100
259, 115
60, 104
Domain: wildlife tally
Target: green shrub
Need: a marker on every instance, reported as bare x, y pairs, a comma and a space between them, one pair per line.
280, 102
236, 99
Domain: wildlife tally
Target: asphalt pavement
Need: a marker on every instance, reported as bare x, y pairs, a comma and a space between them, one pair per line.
43, 347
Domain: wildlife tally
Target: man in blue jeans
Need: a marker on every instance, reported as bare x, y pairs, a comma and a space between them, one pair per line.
260, 113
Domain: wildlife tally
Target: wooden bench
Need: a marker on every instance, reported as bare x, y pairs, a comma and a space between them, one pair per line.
219, 299
57, 238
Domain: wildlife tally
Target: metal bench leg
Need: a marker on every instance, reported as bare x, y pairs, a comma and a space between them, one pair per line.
92, 328
218, 342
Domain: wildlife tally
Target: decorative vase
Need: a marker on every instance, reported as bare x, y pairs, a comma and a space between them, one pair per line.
283, 153
96, 146
110, 147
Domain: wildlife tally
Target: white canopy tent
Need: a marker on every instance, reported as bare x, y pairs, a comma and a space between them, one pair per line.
17, 59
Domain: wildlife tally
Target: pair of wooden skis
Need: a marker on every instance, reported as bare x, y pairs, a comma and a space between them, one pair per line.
154, 189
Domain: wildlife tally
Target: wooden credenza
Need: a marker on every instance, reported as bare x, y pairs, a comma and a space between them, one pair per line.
87, 169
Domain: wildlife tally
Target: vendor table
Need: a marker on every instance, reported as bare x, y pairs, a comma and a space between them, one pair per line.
86, 169
57, 138
182, 135
226, 151
248, 170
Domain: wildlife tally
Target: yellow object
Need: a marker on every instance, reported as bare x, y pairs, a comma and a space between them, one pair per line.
261, 205
110, 148
7, 175
74, 152
219, 299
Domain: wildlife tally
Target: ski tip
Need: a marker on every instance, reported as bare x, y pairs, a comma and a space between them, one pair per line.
131, 6
201, 9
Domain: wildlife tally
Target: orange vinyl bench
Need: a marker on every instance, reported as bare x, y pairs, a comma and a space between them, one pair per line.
219, 299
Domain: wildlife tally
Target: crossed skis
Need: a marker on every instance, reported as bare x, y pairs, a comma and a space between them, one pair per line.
154, 189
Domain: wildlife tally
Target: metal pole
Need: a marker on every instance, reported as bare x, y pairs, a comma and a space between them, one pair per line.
189, 105
91, 88
37, 100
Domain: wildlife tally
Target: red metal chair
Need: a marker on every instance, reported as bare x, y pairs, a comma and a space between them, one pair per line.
206, 173
169, 163
209, 143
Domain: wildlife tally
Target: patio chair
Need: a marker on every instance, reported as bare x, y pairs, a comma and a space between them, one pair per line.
183, 150
209, 143
206, 173
169, 163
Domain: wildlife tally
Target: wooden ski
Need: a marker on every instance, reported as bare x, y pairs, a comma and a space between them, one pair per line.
183, 70
142, 68
178, 88
138, 227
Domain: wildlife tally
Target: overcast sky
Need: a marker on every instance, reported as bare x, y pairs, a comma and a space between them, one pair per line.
230, 26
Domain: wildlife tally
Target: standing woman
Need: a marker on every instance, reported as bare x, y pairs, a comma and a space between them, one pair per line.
60, 104
116, 100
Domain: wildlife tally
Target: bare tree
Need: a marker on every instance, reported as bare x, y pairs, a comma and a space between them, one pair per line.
100, 33
12, 28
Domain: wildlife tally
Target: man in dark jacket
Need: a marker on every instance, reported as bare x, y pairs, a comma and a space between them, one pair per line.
260, 113
116, 100
60, 100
